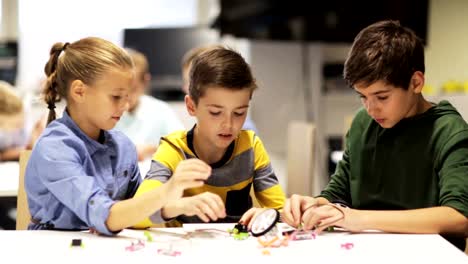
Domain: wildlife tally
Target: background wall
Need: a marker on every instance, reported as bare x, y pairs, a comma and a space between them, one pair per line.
447, 49
42, 23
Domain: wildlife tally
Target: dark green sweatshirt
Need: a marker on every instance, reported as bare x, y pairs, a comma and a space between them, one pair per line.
420, 162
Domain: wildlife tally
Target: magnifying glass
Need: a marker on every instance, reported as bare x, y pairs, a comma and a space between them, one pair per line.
264, 222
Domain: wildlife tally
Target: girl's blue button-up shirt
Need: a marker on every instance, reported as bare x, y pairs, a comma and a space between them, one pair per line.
72, 180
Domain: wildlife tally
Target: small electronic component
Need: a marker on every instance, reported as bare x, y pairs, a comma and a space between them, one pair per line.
76, 242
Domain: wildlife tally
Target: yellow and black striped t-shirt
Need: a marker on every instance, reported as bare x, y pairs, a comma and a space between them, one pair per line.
245, 163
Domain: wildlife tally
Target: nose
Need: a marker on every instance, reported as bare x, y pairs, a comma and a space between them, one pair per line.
228, 121
370, 106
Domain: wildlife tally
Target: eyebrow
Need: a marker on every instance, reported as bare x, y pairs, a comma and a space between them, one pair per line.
220, 106
119, 89
375, 93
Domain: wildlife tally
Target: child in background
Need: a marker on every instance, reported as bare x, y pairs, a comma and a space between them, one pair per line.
139, 123
81, 174
186, 63
405, 165
14, 136
221, 86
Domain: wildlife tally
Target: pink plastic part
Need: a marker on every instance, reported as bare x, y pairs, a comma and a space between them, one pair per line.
303, 235
347, 246
134, 246
169, 252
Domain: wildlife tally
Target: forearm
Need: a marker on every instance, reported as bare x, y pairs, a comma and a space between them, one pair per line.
145, 151
132, 211
435, 220
10, 154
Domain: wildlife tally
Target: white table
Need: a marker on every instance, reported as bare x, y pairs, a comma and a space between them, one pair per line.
216, 247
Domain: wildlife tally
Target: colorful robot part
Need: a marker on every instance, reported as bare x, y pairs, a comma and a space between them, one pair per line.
135, 246
303, 235
347, 246
169, 252
239, 232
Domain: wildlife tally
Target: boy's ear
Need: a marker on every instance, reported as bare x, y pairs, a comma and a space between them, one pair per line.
77, 91
146, 79
190, 104
417, 82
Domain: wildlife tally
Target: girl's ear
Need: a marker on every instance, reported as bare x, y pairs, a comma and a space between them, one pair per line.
190, 104
417, 82
77, 91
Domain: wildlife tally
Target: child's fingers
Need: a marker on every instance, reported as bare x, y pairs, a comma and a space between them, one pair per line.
328, 222
189, 183
207, 210
195, 165
215, 203
296, 202
247, 217
201, 215
314, 216
311, 218
286, 214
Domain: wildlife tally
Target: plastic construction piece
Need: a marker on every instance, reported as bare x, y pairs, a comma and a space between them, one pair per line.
264, 222
273, 242
135, 246
239, 232
347, 246
169, 252
303, 235
148, 236
76, 243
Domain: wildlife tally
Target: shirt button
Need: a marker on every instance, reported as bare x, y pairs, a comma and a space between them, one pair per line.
91, 202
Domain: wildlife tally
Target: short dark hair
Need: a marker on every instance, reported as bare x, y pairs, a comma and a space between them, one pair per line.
219, 67
384, 51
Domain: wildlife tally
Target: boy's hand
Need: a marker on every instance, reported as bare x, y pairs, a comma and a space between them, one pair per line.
294, 208
248, 216
319, 218
189, 173
207, 206
322, 217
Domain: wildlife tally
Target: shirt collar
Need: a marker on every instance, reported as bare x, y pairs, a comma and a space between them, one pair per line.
91, 145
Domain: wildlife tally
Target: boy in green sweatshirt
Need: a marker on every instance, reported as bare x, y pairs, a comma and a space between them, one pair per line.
405, 165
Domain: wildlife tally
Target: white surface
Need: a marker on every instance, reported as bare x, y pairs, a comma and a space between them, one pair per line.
216, 247
9, 178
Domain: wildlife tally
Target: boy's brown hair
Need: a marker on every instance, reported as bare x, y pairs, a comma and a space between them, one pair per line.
384, 51
193, 53
219, 67
10, 103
